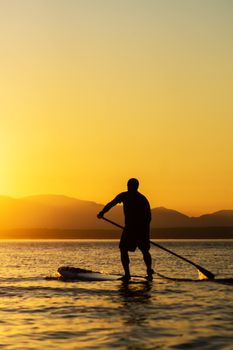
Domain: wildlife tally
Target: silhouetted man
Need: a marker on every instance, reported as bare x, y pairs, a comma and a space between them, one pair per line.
137, 226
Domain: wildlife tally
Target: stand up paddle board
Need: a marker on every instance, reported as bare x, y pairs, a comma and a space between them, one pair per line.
69, 273
77, 274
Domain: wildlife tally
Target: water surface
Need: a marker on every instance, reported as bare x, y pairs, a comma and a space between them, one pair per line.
49, 314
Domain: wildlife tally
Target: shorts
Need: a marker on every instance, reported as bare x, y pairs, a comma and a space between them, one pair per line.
133, 238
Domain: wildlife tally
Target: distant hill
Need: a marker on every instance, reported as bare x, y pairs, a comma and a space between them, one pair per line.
219, 218
162, 217
62, 212
52, 212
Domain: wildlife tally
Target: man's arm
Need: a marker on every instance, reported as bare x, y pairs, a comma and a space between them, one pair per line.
108, 206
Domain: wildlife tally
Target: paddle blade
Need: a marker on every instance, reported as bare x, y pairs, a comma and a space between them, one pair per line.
203, 274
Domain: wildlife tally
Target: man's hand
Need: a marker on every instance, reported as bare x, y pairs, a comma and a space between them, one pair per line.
100, 215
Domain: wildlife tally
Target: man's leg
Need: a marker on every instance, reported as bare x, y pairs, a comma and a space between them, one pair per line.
125, 262
148, 262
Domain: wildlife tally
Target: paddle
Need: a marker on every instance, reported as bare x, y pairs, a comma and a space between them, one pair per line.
207, 274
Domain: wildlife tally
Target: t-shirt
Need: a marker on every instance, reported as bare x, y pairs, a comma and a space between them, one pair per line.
136, 208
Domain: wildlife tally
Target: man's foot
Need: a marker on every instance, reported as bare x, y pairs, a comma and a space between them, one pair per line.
149, 276
125, 278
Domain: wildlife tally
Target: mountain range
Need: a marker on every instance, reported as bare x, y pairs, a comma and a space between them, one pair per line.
62, 212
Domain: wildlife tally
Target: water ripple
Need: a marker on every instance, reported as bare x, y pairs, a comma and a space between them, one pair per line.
43, 314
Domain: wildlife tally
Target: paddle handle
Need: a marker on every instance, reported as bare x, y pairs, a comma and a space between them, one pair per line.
112, 222
175, 254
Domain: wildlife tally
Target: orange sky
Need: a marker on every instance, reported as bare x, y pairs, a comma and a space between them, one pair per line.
95, 92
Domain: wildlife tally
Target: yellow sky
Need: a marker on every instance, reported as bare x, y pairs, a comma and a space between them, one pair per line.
95, 92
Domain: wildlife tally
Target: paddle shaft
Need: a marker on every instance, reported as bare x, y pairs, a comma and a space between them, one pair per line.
204, 271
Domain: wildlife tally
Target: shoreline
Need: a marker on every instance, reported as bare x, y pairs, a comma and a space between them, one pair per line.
187, 233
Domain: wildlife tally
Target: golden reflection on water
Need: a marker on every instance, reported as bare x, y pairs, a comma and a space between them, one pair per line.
135, 292
135, 301
48, 314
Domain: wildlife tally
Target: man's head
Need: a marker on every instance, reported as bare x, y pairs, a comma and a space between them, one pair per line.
133, 184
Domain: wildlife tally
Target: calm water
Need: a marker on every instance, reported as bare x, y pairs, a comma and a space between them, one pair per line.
49, 314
